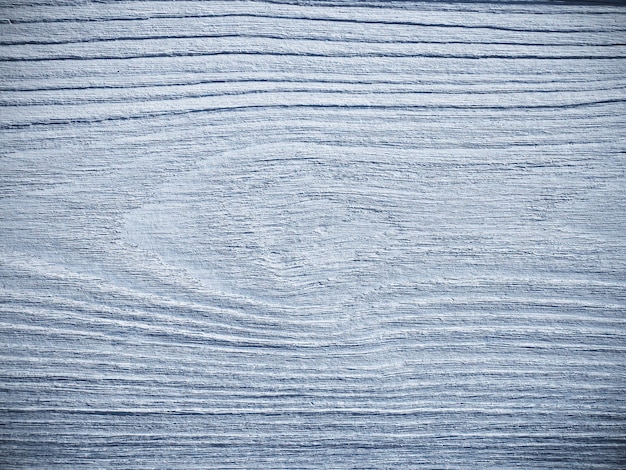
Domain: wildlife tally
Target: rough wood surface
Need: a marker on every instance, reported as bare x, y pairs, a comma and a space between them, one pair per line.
317, 235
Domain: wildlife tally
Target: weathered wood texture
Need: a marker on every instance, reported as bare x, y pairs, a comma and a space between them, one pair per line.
321, 235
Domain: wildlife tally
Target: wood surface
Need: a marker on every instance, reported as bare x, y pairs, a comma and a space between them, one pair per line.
312, 234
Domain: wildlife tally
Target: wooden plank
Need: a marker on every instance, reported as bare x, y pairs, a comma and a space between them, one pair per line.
313, 234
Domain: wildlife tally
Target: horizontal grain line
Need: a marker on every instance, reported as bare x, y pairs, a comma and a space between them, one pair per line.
177, 97
356, 412
157, 55
342, 81
356, 346
318, 19
508, 370
297, 38
67, 121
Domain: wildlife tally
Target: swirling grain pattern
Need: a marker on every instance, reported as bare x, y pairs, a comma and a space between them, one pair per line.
337, 234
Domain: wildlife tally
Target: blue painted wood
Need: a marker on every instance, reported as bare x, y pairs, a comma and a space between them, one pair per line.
312, 235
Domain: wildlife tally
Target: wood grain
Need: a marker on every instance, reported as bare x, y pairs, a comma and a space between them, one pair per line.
312, 235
